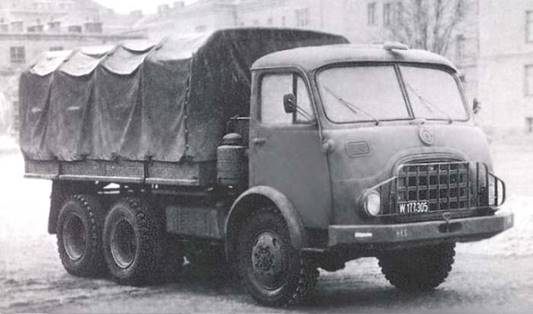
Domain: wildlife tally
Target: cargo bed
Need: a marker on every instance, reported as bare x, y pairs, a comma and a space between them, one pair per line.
144, 112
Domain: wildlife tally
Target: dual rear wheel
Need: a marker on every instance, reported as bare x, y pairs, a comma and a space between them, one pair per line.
128, 242
79, 236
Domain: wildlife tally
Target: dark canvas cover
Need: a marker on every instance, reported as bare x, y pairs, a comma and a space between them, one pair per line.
161, 101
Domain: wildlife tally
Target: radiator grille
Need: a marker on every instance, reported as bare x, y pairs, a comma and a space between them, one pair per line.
421, 189
443, 186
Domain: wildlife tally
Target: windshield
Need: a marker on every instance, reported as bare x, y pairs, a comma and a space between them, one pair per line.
362, 93
434, 94
373, 93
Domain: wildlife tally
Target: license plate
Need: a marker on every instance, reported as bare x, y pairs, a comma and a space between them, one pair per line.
414, 207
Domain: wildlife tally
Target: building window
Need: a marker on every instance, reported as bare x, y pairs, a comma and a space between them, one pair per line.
17, 27
459, 49
18, 54
270, 21
371, 13
54, 27
302, 17
398, 13
283, 20
387, 14
56, 48
36, 29
529, 80
74, 29
529, 26
93, 27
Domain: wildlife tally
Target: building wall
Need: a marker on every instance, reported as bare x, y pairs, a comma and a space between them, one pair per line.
200, 16
504, 55
322, 15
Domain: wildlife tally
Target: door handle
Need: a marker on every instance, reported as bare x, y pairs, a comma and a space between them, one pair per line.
259, 141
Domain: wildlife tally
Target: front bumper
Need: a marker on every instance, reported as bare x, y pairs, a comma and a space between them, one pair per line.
459, 230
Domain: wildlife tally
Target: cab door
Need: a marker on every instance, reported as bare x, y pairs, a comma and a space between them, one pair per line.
285, 148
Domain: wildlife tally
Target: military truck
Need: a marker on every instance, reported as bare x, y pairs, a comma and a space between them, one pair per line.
272, 152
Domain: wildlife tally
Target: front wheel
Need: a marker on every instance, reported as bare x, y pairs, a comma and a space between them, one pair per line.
273, 272
418, 269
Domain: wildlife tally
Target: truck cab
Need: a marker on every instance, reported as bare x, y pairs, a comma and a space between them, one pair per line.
371, 151
369, 136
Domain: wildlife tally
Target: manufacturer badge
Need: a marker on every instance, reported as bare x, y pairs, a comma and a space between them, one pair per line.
426, 136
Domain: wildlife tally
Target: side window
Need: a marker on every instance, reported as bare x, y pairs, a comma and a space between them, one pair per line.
273, 89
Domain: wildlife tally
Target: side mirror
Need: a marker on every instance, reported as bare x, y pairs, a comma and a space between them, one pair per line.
289, 103
476, 106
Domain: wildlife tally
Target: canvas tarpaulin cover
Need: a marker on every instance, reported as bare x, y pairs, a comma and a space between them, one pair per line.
163, 101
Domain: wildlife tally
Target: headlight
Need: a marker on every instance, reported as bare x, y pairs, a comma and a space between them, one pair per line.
372, 203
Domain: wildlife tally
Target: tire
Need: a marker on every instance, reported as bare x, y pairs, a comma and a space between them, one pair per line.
133, 243
273, 272
418, 269
79, 236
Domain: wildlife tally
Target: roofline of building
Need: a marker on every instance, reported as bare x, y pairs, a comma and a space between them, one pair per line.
257, 5
66, 36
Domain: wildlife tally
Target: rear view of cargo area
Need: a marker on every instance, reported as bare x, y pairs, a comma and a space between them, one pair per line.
143, 112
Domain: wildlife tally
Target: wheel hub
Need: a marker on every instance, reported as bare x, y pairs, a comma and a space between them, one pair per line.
123, 244
267, 259
74, 237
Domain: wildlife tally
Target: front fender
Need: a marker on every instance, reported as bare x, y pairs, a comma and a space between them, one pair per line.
254, 198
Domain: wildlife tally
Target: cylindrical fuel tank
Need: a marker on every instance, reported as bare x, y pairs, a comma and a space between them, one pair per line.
231, 161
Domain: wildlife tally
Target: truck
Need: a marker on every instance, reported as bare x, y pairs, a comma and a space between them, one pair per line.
269, 152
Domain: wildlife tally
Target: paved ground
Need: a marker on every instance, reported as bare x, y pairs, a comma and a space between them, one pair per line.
494, 276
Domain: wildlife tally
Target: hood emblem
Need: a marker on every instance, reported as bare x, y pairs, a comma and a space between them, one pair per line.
426, 136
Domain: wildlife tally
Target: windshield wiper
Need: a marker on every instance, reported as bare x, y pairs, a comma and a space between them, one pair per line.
353, 108
428, 104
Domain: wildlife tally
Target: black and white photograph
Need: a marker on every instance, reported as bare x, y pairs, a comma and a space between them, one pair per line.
266, 156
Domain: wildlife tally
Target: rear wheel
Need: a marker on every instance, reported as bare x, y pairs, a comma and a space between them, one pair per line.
79, 236
274, 272
133, 243
418, 269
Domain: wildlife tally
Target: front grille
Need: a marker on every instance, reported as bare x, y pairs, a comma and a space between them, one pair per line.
443, 186
437, 187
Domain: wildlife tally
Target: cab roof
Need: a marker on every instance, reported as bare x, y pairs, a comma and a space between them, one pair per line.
311, 58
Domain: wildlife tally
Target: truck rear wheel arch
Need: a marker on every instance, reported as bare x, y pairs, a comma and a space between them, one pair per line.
256, 198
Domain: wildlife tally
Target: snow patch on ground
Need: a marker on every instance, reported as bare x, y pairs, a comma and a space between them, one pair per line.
513, 162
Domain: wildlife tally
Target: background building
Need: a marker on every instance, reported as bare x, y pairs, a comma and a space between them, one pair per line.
29, 27
199, 16
492, 45
505, 59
